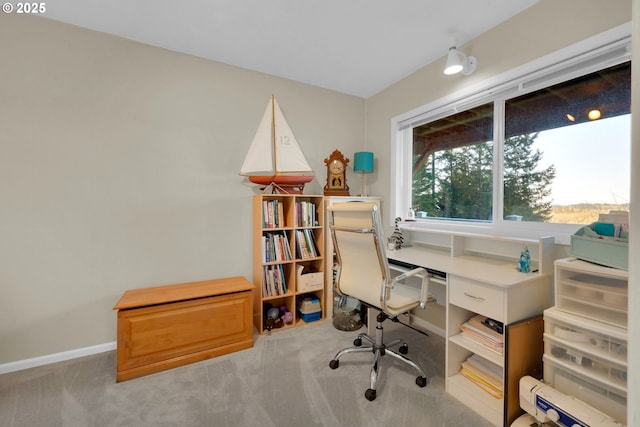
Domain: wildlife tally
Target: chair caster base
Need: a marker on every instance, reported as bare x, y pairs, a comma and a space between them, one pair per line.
370, 394
404, 349
421, 381
334, 364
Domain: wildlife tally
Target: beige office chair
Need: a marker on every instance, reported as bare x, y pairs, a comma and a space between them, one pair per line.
363, 273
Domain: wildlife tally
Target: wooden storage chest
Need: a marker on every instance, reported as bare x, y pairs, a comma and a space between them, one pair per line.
168, 326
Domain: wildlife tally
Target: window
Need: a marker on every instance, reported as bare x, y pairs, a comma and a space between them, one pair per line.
540, 153
566, 149
453, 166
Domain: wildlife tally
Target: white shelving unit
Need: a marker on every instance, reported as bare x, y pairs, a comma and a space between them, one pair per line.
457, 244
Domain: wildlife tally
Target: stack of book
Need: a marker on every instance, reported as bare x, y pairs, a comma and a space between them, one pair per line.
306, 214
272, 214
306, 244
275, 247
484, 331
486, 375
274, 280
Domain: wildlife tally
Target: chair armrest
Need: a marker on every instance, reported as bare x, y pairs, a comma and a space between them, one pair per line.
424, 287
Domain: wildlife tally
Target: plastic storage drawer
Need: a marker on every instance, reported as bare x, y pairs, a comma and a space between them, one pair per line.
604, 397
587, 336
592, 291
589, 364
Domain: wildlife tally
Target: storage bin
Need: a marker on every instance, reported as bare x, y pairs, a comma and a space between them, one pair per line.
312, 281
310, 317
589, 364
309, 309
586, 335
607, 252
607, 398
592, 291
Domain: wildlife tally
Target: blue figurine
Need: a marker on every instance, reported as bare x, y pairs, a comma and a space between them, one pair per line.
525, 261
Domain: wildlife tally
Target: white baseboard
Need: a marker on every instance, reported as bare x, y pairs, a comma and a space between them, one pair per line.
56, 357
427, 326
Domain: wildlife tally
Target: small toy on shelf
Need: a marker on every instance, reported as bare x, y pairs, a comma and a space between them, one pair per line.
397, 239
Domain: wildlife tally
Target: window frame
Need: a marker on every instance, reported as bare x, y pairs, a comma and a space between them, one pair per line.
601, 51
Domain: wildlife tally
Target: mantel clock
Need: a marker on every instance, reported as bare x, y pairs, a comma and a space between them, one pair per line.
336, 175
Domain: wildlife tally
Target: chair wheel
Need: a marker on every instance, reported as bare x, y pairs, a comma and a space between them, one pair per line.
334, 364
404, 349
357, 342
421, 381
370, 394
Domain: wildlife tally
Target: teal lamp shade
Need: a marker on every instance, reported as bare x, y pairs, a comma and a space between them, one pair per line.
363, 162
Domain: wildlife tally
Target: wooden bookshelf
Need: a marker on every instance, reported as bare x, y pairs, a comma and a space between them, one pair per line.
288, 255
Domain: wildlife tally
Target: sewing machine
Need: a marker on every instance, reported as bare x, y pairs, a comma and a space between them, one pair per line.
546, 406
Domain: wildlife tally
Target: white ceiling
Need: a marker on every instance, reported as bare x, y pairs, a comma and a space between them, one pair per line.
357, 47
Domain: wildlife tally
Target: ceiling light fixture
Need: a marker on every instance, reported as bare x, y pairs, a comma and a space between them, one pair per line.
459, 62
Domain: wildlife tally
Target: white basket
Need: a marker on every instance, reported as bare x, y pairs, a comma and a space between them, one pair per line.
310, 281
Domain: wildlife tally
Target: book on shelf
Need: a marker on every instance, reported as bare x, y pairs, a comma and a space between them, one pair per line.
272, 213
301, 246
486, 375
275, 247
274, 281
306, 244
311, 242
485, 332
306, 214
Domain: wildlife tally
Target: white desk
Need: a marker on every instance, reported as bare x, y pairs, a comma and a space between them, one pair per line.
494, 288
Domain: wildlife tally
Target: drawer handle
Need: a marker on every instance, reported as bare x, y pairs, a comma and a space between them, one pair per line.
474, 297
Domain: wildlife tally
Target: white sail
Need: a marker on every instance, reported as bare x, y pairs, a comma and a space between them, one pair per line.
259, 159
274, 149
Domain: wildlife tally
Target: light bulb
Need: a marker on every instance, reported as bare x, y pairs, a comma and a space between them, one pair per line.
594, 114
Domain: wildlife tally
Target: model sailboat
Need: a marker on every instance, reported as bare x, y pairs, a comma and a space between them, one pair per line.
275, 158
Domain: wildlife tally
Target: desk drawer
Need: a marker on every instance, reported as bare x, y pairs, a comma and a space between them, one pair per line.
478, 297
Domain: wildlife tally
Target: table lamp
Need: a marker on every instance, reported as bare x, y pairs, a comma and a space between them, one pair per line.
363, 163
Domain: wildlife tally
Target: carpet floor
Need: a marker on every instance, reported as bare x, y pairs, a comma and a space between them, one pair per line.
283, 381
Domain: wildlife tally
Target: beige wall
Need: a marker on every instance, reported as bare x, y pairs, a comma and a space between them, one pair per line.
118, 161
119, 169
